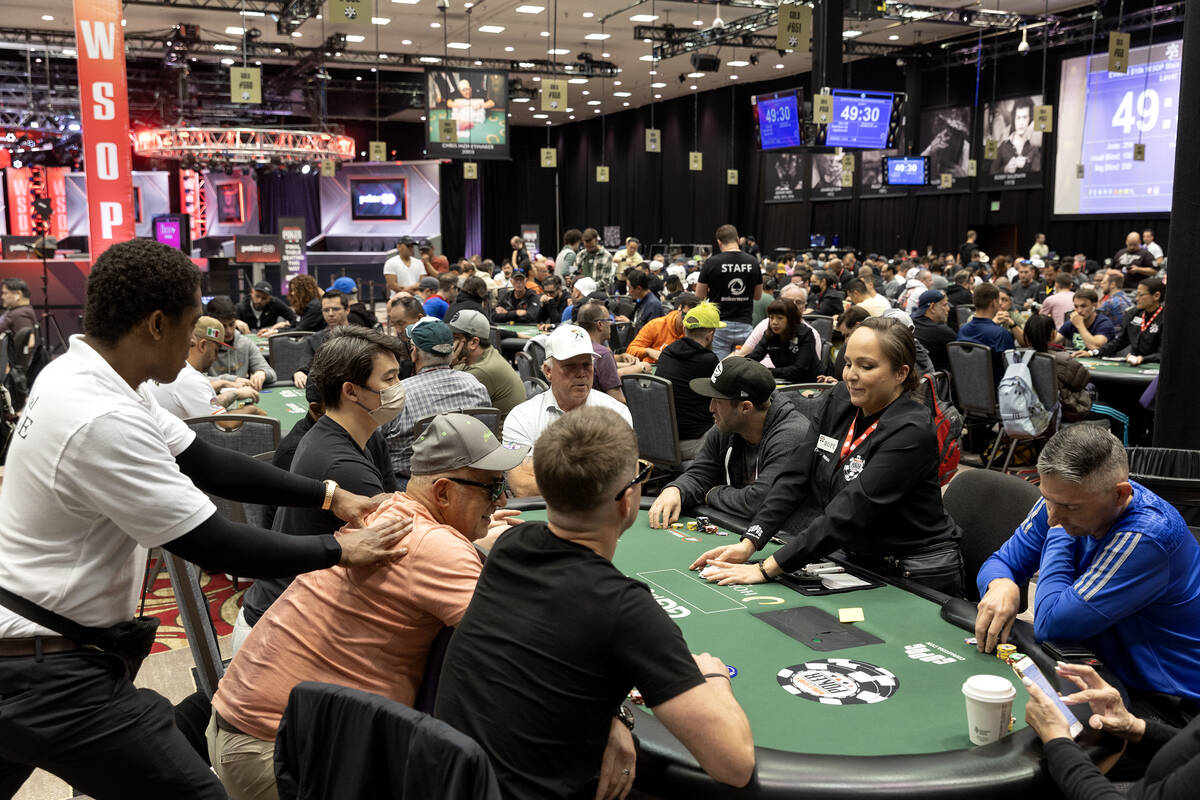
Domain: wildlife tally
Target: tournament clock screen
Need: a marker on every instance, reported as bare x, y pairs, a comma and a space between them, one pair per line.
778, 122
860, 119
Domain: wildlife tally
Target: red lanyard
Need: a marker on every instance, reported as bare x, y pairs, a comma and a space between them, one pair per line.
1147, 323
847, 447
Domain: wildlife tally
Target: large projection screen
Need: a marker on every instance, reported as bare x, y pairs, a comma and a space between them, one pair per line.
1101, 116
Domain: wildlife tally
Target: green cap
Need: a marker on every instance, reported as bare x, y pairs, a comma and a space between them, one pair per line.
703, 315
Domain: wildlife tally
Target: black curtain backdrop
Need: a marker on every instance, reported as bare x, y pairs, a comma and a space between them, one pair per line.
289, 194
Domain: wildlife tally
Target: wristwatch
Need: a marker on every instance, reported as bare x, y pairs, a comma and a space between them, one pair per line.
625, 716
330, 487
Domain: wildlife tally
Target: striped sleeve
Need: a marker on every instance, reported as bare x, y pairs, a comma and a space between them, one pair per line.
1076, 601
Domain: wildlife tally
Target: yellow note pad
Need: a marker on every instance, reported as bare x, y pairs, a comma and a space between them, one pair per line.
850, 615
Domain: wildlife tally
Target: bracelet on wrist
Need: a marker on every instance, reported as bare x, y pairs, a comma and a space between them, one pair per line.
710, 675
763, 570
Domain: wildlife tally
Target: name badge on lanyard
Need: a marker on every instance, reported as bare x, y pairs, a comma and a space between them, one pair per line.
826, 443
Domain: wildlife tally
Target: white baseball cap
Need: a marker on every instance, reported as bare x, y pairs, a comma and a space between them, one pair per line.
568, 341
585, 286
693, 278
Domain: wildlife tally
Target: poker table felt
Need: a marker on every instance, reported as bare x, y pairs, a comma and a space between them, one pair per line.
262, 343
913, 744
1120, 371
284, 403
532, 330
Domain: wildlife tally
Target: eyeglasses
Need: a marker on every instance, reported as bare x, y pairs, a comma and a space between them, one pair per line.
495, 489
644, 468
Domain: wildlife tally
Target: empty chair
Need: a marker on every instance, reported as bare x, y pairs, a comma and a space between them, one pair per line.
962, 314
287, 353
651, 403
525, 367
822, 324
1174, 475
534, 386
974, 381
338, 743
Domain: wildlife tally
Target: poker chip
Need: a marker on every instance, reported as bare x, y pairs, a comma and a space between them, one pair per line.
839, 681
732, 671
636, 697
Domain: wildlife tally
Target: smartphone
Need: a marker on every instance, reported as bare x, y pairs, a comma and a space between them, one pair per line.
1025, 668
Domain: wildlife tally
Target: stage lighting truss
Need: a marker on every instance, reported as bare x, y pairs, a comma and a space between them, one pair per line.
193, 202
194, 145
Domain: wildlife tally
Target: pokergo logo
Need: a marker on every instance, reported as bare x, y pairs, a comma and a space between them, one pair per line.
931, 653
674, 610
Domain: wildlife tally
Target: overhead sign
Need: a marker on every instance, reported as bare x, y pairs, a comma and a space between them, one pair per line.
554, 95
795, 27
266, 248
731, 177
328, 168
1118, 52
695, 161
294, 258
601, 174
245, 85
353, 11
377, 151
653, 140
549, 157
470, 170
823, 109
104, 106
1043, 118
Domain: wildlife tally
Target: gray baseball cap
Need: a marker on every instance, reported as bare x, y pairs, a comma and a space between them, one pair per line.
471, 323
428, 282
455, 441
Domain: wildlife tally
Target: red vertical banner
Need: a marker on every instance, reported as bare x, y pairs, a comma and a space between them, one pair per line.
56, 190
104, 103
20, 201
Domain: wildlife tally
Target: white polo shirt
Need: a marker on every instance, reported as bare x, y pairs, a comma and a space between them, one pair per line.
189, 395
525, 423
91, 482
407, 274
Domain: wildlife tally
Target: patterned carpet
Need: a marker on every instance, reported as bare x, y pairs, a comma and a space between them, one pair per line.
223, 603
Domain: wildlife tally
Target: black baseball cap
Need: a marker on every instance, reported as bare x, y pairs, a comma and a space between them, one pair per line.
264, 287
737, 378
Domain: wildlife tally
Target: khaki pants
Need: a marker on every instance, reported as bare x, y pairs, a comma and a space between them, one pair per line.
245, 765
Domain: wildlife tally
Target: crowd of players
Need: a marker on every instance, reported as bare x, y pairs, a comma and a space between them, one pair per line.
103, 466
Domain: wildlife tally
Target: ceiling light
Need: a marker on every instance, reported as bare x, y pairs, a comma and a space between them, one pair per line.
622, 94
478, 63
779, 66
597, 37
571, 117
595, 111
1023, 47
508, 49
658, 97
692, 87
568, 109
647, 41
520, 100
537, 79
358, 77
429, 60
893, 37
606, 55
695, 74
47, 18
646, 58
586, 92
738, 63
557, 51
643, 18
458, 45
70, 51
545, 34
253, 13
491, 29
525, 64
435, 24
355, 37
380, 20
227, 48
296, 34
658, 85
653, 72
406, 42
626, 104
588, 15
577, 81
593, 102
699, 23
851, 34
227, 62
530, 9
382, 56
234, 30
407, 2
541, 116
733, 77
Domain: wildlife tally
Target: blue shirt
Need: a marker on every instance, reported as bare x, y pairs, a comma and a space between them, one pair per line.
1133, 595
436, 307
1101, 326
987, 333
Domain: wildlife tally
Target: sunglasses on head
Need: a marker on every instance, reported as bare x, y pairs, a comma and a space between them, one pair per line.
644, 468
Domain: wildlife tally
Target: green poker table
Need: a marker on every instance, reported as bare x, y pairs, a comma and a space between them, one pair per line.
1119, 372
913, 743
284, 403
532, 330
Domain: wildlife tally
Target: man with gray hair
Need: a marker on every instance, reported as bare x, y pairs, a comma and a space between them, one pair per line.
1119, 569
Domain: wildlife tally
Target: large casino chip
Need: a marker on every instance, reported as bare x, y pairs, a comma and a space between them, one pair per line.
839, 681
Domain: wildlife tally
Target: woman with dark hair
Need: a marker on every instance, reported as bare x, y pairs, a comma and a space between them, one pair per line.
789, 343
304, 296
1072, 376
846, 323
873, 471
473, 295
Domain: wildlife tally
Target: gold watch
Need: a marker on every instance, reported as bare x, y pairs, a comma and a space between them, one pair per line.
330, 487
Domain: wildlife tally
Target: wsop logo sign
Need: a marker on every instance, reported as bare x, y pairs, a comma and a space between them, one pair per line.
931, 653
674, 610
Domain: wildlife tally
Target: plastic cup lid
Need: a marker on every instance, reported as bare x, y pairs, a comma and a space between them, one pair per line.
989, 688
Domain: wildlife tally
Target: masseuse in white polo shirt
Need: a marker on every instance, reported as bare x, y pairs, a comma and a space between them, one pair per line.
97, 473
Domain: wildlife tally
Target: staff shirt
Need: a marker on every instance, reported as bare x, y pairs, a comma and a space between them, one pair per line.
189, 395
91, 481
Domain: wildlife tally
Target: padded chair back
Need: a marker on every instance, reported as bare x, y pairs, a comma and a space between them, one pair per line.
24, 346
826, 361
823, 325
974, 379
651, 402
255, 435
988, 506
286, 352
338, 743
525, 367
962, 314
535, 386
427, 694
1174, 475
808, 389
197, 624
626, 333
538, 353
488, 416
494, 337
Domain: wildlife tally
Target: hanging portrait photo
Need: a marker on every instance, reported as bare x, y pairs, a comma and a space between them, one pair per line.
946, 141
827, 180
870, 176
1018, 161
783, 177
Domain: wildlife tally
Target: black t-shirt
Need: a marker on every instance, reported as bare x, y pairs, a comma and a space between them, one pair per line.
682, 360
1126, 258
327, 451
731, 278
552, 642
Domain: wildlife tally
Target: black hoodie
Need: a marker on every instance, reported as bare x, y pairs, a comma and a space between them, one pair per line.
682, 360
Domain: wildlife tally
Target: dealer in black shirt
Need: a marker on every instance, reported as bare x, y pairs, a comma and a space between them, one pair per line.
357, 375
556, 636
874, 471
1141, 327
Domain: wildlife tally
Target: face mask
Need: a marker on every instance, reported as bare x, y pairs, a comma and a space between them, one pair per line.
391, 403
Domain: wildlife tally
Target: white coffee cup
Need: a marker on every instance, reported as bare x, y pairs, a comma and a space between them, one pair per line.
989, 707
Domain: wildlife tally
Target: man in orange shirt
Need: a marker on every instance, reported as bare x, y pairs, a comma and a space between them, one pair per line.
656, 334
368, 628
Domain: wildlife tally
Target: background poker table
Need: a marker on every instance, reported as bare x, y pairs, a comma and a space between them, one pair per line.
532, 330
1120, 371
262, 343
912, 744
285, 403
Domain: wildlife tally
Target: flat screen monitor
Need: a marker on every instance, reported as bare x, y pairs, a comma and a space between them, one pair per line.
173, 230
778, 116
467, 113
231, 204
905, 170
1102, 117
379, 198
860, 119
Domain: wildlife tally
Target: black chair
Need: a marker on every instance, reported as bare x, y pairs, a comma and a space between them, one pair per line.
988, 506
286, 353
338, 743
651, 403
538, 353
822, 324
535, 386
197, 623
525, 367
807, 389
616, 336
254, 436
974, 381
488, 416
962, 314
826, 359
1174, 475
